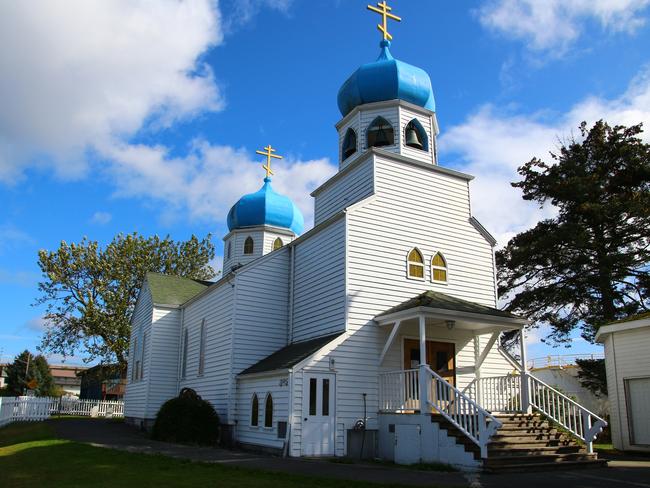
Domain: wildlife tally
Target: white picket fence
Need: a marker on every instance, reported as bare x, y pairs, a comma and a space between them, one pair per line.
27, 409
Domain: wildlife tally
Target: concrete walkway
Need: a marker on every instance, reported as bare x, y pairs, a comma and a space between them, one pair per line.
623, 472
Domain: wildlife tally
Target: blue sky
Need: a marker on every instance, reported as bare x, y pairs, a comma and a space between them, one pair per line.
130, 116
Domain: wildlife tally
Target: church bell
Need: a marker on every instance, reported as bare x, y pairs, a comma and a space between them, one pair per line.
381, 138
413, 138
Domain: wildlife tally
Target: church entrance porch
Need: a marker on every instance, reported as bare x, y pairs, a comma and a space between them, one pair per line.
441, 364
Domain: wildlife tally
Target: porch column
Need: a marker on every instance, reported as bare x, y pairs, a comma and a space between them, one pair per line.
423, 374
525, 392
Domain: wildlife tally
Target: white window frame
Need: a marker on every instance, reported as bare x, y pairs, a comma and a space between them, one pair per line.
142, 355
440, 268
134, 364
408, 265
266, 399
254, 397
203, 332
184, 353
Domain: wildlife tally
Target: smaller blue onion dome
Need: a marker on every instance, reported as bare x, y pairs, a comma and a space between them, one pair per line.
386, 79
266, 207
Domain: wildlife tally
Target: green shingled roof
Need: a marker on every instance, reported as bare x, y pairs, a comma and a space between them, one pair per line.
290, 355
434, 299
173, 290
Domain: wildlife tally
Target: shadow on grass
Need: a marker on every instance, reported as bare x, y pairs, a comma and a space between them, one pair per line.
56, 463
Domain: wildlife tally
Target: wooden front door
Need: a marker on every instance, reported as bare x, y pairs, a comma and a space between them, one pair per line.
441, 357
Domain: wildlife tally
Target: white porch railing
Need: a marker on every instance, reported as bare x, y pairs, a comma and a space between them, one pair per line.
516, 393
464, 413
497, 393
25, 409
400, 391
564, 411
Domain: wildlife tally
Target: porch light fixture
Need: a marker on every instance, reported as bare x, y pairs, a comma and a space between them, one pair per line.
450, 324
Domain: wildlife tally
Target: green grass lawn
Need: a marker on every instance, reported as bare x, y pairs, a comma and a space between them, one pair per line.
30, 455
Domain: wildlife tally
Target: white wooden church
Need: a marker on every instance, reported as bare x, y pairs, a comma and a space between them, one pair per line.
376, 330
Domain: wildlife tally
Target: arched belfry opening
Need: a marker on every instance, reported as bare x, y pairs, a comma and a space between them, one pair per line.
380, 133
349, 144
415, 136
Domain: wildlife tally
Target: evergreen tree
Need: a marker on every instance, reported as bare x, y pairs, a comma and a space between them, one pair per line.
589, 265
29, 372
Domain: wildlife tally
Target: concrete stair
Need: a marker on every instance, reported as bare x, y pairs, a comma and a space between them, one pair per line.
528, 442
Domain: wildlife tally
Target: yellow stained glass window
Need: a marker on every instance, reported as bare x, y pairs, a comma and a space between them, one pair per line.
277, 244
438, 268
415, 264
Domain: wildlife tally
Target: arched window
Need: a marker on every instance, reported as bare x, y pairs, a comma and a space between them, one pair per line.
229, 252
255, 411
415, 264
268, 411
439, 268
415, 136
277, 243
249, 245
380, 133
349, 144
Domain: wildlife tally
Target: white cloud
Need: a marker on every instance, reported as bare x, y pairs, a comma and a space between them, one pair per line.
37, 324
491, 145
20, 278
101, 218
11, 236
556, 24
210, 178
78, 74
242, 11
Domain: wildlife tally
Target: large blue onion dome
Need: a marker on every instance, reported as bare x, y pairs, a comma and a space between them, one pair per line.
266, 207
386, 79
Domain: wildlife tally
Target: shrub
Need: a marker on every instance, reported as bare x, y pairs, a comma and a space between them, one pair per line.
187, 419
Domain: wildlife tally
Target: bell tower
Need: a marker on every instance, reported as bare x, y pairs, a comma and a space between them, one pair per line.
387, 104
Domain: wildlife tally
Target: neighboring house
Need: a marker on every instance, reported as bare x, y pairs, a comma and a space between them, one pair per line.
627, 359
67, 378
3, 375
103, 382
379, 322
562, 373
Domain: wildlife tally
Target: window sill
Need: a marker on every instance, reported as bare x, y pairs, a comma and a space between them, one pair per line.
415, 278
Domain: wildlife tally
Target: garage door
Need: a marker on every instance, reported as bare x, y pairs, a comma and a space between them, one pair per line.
638, 396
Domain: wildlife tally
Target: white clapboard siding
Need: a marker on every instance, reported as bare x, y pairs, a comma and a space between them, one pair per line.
135, 397
626, 357
495, 363
407, 116
352, 123
319, 283
261, 320
356, 185
278, 387
237, 238
413, 207
216, 308
160, 369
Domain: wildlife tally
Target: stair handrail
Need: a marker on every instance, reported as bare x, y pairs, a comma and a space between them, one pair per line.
480, 431
587, 430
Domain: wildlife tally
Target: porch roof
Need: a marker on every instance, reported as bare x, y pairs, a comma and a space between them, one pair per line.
443, 306
289, 356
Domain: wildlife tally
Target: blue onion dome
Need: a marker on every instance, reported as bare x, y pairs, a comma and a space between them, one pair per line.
266, 207
386, 79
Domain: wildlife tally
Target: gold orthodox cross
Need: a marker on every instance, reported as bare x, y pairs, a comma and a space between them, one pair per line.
384, 11
268, 152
